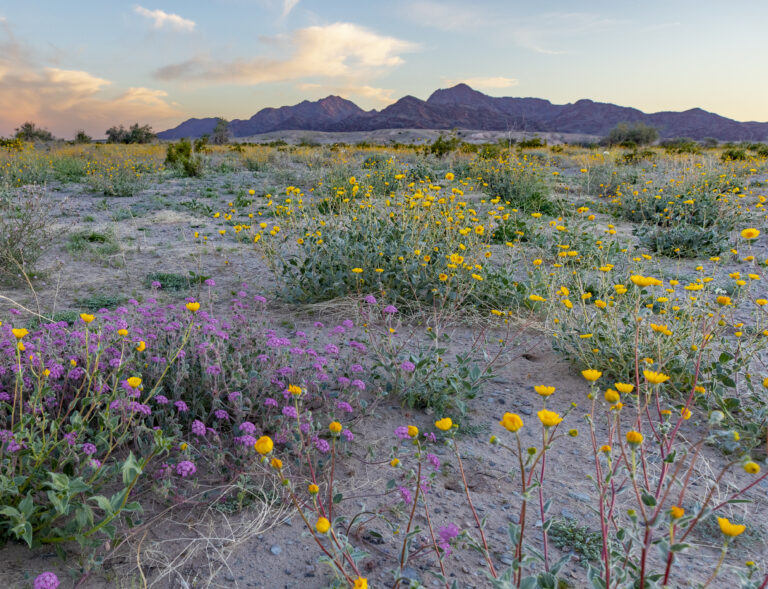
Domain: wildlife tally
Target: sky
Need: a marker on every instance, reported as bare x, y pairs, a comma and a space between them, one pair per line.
92, 64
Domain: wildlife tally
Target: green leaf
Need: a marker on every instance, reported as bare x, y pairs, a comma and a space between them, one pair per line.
103, 503
131, 469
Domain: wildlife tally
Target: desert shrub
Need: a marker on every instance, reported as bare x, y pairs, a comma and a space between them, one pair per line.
514, 229
121, 170
134, 134
31, 132
684, 240
523, 185
69, 169
636, 156
706, 202
221, 134
490, 151
11, 144
24, 230
180, 156
532, 143
733, 154
680, 145
325, 272
82, 137
634, 135
442, 146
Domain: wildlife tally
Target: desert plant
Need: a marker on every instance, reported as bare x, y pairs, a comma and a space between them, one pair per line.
24, 230
31, 132
82, 137
634, 135
221, 134
134, 134
181, 157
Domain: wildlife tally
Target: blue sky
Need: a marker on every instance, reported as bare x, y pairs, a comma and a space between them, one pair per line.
91, 64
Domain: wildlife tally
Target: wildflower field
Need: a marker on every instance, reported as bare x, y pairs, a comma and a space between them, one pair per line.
361, 366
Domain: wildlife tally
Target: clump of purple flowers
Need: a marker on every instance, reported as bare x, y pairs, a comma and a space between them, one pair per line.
445, 535
185, 468
46, 580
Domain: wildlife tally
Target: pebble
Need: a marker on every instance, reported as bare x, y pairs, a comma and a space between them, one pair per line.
275, 549
525, 411
411, 573
579, 496
568, 514
507, 560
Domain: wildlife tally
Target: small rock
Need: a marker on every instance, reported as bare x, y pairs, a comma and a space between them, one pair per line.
579, 496
275, 549
568, 514
411, 573
525, 411
507, 560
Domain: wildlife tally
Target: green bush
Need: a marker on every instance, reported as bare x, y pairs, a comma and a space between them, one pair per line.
684, 240
525, 187
134, 134
31, 132
681, 145
733, 154
631, 135
531, 143
181, 157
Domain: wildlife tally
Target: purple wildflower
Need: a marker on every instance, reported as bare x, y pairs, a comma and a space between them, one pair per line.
405, 494
46, 580
290, 411
402, 432
181, 406
198, 428
89, 449
407, 366
185, 468
344, 406
247, 427
322, 446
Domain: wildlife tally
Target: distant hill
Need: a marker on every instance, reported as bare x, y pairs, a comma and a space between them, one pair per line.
465, 108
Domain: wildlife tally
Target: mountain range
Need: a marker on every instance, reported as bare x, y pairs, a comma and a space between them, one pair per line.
464, 108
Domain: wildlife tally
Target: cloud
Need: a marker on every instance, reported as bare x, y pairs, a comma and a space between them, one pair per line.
64, 100
161, 19
494, 82
339, 50
289, 5
546, 33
